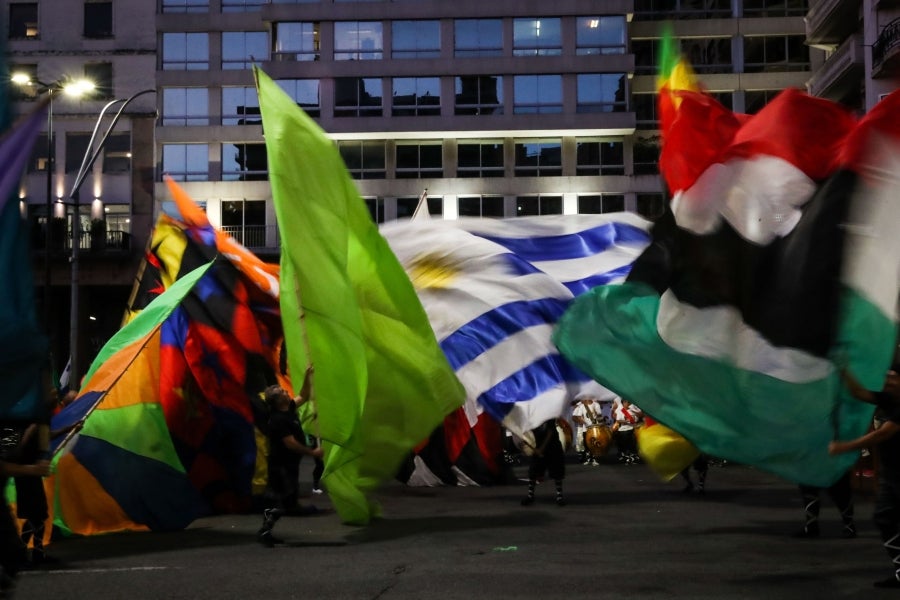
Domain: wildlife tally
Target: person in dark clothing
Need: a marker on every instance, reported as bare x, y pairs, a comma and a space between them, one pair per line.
887, 502
286, 447
13, 554
549, 457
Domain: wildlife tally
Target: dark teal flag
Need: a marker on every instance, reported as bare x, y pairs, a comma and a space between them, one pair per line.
23, 346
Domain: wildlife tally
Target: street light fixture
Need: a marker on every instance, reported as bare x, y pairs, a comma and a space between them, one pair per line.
74, 88
90, 156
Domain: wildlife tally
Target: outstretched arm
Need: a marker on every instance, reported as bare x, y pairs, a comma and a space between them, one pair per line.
872, 438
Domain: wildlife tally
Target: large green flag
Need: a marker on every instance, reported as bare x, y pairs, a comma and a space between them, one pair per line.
382, 383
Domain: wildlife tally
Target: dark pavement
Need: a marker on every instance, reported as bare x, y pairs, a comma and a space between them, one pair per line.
623, 534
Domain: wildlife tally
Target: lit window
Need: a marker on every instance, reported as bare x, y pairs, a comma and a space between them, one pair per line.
537, 37
296, 41
23, 21
600, 35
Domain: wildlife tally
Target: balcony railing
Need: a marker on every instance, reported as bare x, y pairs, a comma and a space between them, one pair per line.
254, 237
886, 42
116, 242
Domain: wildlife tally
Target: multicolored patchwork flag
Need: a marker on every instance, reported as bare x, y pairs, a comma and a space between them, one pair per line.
728, 325
215, 352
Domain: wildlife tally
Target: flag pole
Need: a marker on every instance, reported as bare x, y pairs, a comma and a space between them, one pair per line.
423, 202
306, 348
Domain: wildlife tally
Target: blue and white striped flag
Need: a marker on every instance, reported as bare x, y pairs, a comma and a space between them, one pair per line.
493, 291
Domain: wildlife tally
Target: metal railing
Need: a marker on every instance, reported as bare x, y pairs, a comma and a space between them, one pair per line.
887, 40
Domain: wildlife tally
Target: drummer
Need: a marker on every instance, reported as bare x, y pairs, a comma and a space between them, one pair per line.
585, 414
627, 416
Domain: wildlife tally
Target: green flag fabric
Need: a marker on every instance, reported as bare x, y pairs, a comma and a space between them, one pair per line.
381, 382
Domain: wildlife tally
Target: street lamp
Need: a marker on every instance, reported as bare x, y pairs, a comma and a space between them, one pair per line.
90, 156
70, 87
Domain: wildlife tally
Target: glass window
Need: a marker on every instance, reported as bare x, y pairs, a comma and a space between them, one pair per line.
479, 95
682, 9
416, 96
537, 159
240, 49
708, 55
185, 6
537, 37
645, 107
481, 206
726, 99
185, 106
528, 206
775, 8
240, 106
537, 94
651, 206
600, 35
646, 56
357, 97
601, 92
601, 203
646, 155
376, 208
598, 157
98, 19
406, 207
771, 54
755, 100
101, 74
118, 219
415, 161
415, 39
357, 40
245, 221
185, 52
76, 149
244, 162
117, 153
229, 6
364, 160
186, 162
305, 93
39, 155
480, 159
296, 41
478, 37
23, 21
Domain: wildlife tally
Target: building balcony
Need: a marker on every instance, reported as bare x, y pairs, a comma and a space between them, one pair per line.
886, 51
829, 22
842, 73
260, 239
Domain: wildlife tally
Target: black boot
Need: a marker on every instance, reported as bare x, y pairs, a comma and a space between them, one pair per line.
811, 505
529, 499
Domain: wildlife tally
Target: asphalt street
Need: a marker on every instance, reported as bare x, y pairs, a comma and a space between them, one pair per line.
623, 534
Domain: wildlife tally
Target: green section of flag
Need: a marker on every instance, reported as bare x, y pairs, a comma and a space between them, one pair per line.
725, 411
141, 428
381, 383
669, 56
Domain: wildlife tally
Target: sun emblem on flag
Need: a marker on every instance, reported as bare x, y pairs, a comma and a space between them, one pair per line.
428, 271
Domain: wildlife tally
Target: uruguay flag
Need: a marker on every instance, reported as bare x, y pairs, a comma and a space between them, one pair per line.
493, 291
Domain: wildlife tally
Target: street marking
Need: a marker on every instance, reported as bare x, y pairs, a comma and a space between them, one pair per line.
80, 571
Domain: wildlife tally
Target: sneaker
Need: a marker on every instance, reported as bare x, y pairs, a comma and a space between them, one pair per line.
890, 582
527, 500
317, 490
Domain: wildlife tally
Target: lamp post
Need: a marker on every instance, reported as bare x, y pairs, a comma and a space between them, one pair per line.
74, 88
90, 156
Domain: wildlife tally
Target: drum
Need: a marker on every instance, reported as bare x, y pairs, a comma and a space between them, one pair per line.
597, 440
565, 434
526, 444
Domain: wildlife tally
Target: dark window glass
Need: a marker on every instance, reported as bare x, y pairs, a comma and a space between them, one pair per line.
651, 206
244, 162
601, 203
101, 74
646, 156
357, 97
478, 37
76, 148
240, 106
481, 206
364, 160
23, 21
480, 159
416, 96
527, 206
98, 20
479, 95
117, 153
415, 39
538, 159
